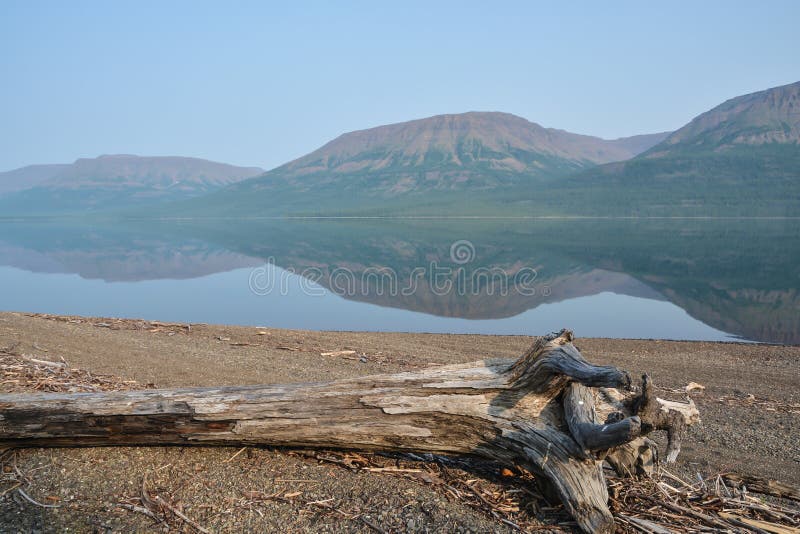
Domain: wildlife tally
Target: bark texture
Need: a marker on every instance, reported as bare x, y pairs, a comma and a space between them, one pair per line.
542, 411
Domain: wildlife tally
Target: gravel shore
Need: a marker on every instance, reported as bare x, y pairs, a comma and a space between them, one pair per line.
750, 409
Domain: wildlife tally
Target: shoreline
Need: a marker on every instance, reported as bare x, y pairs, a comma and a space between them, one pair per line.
733, 341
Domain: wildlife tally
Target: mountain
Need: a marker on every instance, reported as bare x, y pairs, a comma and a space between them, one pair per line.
28, 177
113, 181
637, 144
464, 143
762, 118
470, 157
740, 158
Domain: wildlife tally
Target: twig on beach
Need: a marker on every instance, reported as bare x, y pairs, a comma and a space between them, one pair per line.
337, 353
229, 460
35, 502
371, 524
180, 515
46, 363
141, 510
159, 503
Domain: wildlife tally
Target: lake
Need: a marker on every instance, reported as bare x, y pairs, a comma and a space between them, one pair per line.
666, 278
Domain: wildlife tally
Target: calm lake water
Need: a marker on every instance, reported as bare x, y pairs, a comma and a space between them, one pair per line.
673, 279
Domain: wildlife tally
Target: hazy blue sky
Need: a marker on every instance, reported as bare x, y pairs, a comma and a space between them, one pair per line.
257, 84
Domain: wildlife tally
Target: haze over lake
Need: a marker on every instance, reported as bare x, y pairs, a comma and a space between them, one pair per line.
664, 278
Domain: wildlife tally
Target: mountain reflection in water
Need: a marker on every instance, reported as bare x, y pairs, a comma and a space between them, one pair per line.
740, 277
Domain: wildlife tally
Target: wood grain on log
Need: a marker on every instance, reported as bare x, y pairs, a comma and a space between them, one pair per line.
539, 412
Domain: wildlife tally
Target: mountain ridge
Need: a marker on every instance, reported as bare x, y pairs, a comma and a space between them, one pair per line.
409, 141
112, 181
762, 117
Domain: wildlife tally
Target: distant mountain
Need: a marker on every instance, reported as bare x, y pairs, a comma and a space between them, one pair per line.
637, 144
447, 158
740, 158
114, 181
28, 177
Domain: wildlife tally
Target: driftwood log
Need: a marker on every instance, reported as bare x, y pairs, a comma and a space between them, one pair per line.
549, 411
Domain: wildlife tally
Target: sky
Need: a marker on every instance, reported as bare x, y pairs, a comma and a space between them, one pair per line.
261, 83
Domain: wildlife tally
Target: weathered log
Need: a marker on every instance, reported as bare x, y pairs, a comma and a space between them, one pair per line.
538, 412
763, 485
